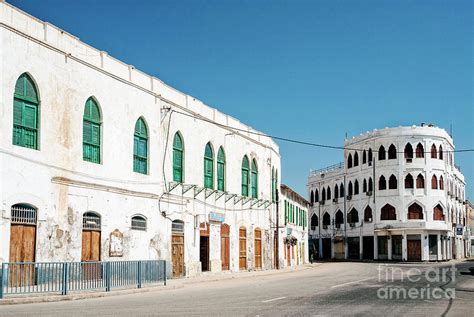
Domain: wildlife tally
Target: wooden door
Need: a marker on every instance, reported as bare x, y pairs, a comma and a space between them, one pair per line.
22, 249
242, 249
225, 246
91, 253
288, 255
414, 250
177, 255
258, 249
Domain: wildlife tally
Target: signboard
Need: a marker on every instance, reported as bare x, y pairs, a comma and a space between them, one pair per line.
216, 217
116, 244
459, 230
289, 231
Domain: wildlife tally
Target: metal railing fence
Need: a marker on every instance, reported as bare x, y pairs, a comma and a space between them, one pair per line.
64, 277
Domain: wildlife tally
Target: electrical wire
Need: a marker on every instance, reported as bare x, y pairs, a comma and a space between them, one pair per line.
327, 146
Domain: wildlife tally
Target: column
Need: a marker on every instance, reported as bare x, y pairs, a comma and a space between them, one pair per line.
404, 247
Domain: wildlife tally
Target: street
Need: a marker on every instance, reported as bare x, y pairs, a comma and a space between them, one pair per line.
328, 289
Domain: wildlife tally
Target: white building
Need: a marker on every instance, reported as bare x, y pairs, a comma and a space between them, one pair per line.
99, 161
293, 228
398, 196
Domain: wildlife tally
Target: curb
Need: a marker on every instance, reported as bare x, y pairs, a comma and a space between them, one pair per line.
79, 296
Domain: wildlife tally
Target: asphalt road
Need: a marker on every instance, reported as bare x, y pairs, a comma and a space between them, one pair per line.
330, 289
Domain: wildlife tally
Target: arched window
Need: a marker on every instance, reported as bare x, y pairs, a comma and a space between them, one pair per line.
364, 186
388, 212
420, 181
364, 157
254, 179
368, 214
339, 219
221, 172
323, 194
336, 191
392, 182
91, 221
434, 152
328, 193
140, 147
311, 196
341, 190
245, 176
23, 214
438, 213
408, 181
441, 182
209, 166
356, 159
392, 152
369, 158
356, 187
440, 152
420, 151
350, 190
415, 211
178, 161
353, 216
349, 160
434, 182
91, 124
326, 220
382, 183
408, 151
25, 113
139, 223
371, 186
314, 221
381, 153
316, 196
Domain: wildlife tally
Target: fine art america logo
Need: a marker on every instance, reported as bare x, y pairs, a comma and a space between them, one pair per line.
415, 283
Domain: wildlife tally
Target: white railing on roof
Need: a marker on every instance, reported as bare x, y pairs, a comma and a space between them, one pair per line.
331, 168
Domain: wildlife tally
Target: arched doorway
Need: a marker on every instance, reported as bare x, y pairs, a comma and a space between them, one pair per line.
204, 247
242, 248
225, 246
177, 247
258, 248
22, 244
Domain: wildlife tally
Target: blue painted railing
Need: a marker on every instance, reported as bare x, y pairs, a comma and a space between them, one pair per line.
64, 277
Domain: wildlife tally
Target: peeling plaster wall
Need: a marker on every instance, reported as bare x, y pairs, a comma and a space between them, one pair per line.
65, 81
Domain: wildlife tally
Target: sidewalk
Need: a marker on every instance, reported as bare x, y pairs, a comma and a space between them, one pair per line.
170, 285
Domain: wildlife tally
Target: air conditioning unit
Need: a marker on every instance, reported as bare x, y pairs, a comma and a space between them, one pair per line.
334, 200
370, 163
338, 225
325, 226
322, 202
369, 220
352, 224
349, 197
369, 193
409, 160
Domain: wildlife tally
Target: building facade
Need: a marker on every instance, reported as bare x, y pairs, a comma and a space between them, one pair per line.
397, 196
293, 231
99, 161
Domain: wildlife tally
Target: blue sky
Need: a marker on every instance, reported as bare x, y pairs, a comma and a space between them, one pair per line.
308, 70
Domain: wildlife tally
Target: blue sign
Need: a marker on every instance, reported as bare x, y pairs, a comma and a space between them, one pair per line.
216, 217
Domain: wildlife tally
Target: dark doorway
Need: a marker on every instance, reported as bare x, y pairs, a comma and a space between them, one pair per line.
368, 248
414, 248
353, 244
326, 248
204, 247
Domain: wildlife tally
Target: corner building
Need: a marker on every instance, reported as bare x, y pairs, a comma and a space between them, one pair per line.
397, 196
100, 161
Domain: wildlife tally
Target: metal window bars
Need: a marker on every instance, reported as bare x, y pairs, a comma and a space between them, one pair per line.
91, 221
23, 214
138, 223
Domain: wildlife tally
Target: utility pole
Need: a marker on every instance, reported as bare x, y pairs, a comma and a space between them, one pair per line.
277, 233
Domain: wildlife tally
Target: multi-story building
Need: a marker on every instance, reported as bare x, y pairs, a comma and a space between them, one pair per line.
470, 228
397, 196
100, 161
293, 228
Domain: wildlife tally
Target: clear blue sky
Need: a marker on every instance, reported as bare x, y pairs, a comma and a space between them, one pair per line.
308, 70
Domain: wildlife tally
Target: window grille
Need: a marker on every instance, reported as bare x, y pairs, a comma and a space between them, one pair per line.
177, 226
91, 221
23, 214
138, 223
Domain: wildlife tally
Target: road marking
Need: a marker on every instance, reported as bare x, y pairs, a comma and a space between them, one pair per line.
273, 299
353, 282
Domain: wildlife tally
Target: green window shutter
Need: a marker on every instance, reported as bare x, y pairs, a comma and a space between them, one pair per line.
25, 113
254, 179
220, 176
178, 161
208, 173
286, 213
91, 132
29, 116
140, 148
245, 182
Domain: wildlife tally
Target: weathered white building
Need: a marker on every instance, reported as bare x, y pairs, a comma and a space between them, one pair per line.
397, 196
293, 228
99, 161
